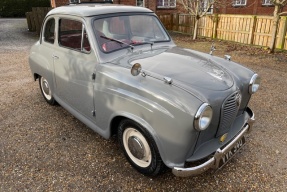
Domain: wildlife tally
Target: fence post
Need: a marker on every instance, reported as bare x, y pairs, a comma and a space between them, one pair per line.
28, 17
177, 22
35, 18
171, 21
282, 32
252, 30
40, 17
31, 17
214, 27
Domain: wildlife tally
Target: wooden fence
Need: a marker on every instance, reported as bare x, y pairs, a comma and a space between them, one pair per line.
247, 29
35, 18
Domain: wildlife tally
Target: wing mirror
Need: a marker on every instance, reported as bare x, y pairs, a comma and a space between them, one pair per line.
212, 48
227, 57
136, 69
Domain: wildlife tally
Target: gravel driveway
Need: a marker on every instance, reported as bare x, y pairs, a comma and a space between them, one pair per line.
44, 148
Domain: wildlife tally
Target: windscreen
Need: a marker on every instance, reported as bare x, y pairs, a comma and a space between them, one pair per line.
114, 33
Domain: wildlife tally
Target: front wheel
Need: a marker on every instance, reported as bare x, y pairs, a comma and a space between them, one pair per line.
46, 91
139, 148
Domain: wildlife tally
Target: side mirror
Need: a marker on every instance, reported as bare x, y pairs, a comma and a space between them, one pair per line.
227, 57
212, 48
136, 69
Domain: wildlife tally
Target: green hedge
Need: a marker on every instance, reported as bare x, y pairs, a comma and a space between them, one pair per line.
18, 8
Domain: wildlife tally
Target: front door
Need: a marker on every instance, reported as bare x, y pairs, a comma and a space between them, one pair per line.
74, 64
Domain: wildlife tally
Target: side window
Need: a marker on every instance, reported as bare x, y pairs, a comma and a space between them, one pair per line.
72, 34
49, 32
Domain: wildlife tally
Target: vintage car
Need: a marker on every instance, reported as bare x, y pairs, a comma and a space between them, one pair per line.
116, 69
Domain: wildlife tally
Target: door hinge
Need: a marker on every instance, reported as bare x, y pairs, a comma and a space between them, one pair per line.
93, 76
94, 113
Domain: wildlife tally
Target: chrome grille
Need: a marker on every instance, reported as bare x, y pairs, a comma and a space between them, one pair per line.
228, 114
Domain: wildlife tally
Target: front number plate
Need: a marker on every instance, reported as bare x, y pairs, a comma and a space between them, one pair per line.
228, 155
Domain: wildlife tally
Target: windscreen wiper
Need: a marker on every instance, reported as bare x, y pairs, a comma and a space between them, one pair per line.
118, 41
145, 42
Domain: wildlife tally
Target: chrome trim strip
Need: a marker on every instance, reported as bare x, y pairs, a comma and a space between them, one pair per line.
192, 171
199, 112
214, 161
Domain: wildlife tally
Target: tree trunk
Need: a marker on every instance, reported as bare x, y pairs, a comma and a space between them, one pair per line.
195, 29
274, 29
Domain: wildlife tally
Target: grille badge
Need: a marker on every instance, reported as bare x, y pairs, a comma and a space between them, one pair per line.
223, 137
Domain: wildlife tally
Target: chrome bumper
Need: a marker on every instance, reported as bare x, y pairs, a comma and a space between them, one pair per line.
214, 161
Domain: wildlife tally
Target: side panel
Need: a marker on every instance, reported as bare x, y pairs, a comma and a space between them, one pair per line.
42, 64
41, 54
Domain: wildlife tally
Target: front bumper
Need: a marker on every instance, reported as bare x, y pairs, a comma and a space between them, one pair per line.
214, 161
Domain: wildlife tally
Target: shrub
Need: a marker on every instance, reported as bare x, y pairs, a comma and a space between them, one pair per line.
18, 8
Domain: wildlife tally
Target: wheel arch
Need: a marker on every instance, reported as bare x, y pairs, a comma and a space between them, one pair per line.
36, 76
117, 118
40, 65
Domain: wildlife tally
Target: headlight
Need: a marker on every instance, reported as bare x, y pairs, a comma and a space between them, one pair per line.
254, 84
203, 117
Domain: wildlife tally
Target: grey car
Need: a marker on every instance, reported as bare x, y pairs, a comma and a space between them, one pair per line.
117, 70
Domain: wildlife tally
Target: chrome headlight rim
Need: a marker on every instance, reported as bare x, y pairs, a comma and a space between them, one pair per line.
204, 109
254, 84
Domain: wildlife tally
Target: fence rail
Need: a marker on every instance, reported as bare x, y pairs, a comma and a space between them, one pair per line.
247, 29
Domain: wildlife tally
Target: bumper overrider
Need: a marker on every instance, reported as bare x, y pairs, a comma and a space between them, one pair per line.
215, 160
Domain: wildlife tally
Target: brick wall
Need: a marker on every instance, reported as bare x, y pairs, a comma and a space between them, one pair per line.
150, 4
252, 7
58, 3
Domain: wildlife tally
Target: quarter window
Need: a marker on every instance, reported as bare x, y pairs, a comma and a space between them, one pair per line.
72, 34
166, 3
49, 32
86, 45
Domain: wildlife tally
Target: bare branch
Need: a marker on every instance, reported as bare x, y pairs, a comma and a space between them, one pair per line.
187, 6
279, 3
198, 9
283, 13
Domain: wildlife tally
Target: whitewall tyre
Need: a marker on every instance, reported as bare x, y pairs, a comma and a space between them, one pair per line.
140, 148
46, 91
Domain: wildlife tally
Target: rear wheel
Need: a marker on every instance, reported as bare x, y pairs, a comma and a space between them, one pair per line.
46, 91
139, 148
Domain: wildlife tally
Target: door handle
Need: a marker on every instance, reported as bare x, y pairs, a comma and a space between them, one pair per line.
55, 57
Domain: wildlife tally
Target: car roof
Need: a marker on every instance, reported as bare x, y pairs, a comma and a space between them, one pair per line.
86, 10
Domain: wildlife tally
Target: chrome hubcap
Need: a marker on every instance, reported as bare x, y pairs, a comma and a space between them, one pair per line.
46, 88
136, 147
